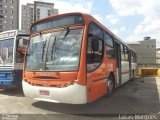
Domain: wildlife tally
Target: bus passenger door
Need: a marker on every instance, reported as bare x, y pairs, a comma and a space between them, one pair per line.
21, 44
118, 63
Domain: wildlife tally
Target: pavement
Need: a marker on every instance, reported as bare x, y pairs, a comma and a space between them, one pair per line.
140, 96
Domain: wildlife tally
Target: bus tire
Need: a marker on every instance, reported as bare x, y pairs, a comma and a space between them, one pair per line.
110, 85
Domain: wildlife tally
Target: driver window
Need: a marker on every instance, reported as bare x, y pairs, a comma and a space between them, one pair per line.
21, 44
94, 47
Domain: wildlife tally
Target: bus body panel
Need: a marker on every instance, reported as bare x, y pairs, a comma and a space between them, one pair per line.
74, 94
125, 71
6, 77
57, 79
96, 83
133, 70
10, 77
97, 80
82, 79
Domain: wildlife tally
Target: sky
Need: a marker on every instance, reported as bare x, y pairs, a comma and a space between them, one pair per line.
130, 20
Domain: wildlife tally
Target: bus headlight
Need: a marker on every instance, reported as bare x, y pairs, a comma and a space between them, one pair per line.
67, 84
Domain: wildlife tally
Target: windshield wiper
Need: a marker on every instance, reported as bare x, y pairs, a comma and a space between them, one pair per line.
67, 31
43, 47
42, 44
54, 42
57, 38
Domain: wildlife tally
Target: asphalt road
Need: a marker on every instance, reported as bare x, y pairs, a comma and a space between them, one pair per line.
140, 96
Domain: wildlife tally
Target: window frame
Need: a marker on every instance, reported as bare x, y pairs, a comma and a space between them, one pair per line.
124, 52
134, 57
107, 45
25, 43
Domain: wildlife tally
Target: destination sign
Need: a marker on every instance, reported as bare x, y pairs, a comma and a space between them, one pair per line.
7, 35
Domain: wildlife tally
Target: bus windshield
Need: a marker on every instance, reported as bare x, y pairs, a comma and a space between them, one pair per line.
56, 51
6, 51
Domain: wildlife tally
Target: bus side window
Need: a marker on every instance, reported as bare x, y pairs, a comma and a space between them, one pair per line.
126, 54
109, 46
123, 53
94, 47
132, 57
21, 44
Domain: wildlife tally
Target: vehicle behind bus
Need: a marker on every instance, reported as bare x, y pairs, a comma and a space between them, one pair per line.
12, 48
72, 58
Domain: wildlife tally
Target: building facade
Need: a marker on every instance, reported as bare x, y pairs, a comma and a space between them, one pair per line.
9, 15
146, 51
33, 12
158, 55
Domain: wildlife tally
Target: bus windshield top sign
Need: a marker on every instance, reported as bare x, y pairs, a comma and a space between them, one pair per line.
58, 22
7, 35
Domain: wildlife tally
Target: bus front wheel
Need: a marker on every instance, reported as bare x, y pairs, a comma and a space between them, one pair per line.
110, 85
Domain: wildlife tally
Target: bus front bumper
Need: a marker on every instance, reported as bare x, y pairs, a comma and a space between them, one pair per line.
73, 94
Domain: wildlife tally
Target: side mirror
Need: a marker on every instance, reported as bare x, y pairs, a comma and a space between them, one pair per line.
95, 43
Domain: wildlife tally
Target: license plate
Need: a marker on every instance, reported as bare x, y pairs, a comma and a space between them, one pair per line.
44, 92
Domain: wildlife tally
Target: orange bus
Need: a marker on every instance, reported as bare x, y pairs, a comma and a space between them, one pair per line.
72, 58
